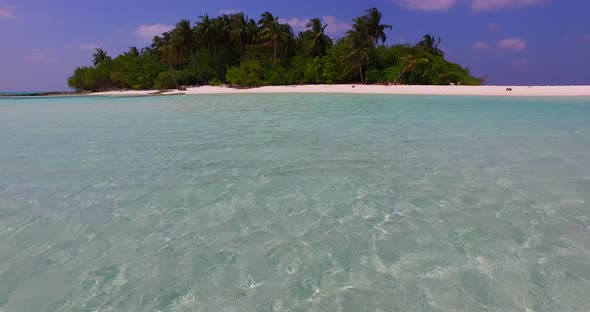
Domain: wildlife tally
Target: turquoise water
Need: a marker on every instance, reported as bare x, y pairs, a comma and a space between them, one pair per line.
295, 203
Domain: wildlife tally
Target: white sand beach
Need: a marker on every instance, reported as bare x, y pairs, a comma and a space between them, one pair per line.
380, 89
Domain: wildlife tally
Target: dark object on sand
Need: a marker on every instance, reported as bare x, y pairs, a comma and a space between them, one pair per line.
508, 89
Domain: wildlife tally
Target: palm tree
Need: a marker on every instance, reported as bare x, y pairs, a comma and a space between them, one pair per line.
205, 34
146, 51
223, 29
372, 19
171, 54
206, 31
412, 63
99, 57
273, 33
133, 51
431, 45
252, 32
267, 18
157, 42
360, 45
287, 37
320, 41
239, 29
184, 31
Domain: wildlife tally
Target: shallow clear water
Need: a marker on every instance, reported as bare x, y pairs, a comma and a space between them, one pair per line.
295, 203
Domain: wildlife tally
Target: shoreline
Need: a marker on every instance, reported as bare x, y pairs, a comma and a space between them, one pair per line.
516, 91
532, 91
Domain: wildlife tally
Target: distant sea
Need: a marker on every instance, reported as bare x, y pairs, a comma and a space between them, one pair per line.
18, 92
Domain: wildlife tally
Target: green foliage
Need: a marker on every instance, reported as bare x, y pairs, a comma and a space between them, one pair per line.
275, 75
314, 71
215, 82
173, 78
248, 74
243, 52
336, 70
167, 79
92, 78
150, 70
374, 76
126, 71
391, 73
384, 56
83, 79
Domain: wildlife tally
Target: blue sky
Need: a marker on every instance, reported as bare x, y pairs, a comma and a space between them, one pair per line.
522, 42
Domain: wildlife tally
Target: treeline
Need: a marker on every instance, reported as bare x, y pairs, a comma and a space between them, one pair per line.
239, 51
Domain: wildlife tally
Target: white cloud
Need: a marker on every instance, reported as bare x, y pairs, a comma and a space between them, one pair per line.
148, 32
228, 11
42, 56
298, 24
512, 44
494, 5
476, 5
8, 12
480, 45
427, 5
334, 25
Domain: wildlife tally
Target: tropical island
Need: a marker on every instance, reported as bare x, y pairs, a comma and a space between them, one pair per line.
241, 52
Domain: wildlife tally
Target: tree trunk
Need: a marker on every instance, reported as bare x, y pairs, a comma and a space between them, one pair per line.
400, 75
173, 74
195, 64
361, 72
275, 52
406, 69
209, 62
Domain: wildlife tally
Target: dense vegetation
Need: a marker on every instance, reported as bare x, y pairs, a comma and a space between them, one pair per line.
237, 50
